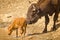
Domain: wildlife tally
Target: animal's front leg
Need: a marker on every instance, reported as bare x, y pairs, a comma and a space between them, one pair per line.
55, 18
21, 31
25, 29
46, 23
16, 32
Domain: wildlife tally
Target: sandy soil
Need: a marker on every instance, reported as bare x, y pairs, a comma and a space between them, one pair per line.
33, 33
18, 8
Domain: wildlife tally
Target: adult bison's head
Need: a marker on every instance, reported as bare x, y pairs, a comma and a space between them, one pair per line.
33, 14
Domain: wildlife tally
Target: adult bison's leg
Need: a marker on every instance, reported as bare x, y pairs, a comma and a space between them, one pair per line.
55, 18
46, 23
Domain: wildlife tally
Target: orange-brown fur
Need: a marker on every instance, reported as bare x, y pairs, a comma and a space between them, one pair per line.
16, 24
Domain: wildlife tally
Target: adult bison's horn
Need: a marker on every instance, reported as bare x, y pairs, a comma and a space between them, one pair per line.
34, 8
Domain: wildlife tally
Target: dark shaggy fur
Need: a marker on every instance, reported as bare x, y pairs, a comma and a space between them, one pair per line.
43, 8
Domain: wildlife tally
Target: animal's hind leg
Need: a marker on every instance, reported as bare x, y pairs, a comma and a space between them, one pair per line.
9, 33
9, 30
46, 23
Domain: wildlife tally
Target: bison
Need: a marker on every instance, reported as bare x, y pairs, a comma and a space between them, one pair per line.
43, 8
18, 23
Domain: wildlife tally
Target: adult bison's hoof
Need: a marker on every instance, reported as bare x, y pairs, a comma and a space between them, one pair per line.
53, 29
45, 31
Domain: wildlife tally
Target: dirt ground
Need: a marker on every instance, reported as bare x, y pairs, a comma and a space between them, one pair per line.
18, 8
33, 33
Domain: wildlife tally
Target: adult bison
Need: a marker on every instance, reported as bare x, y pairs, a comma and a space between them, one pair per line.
43, 8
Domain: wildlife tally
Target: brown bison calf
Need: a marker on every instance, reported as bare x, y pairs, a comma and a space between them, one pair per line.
18, 23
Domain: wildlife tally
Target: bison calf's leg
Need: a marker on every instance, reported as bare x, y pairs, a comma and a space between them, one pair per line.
21, 31
16, 32
9, 32
25, 29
